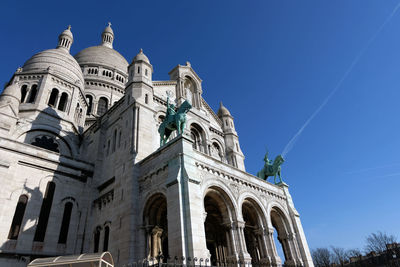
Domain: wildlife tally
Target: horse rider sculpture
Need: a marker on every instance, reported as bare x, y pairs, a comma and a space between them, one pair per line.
271, 168
174, 120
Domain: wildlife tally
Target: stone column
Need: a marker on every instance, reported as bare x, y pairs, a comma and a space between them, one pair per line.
243, 254
232, 242
275, 259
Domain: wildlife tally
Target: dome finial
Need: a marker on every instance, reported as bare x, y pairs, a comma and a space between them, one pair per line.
107, 37
69, 27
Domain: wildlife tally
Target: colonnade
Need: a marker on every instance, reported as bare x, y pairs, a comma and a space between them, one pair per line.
230, 237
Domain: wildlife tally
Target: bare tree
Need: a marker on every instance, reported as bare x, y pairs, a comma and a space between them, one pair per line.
355, 252
322, 257
377, 241
339, 255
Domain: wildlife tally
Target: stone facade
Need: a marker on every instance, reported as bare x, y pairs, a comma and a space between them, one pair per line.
83, 170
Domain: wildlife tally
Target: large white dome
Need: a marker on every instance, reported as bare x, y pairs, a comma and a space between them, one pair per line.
102, 56
60, 63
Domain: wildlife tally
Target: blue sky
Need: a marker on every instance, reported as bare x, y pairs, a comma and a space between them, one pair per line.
272, 63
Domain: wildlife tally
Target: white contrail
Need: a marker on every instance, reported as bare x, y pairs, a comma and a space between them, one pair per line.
292, 141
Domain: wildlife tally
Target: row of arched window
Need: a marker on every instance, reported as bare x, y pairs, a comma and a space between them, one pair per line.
145, 71
28, 95
44, 215
102, 105
120, 78
96, 238
56, 101
107, 73
92, 71
116, 142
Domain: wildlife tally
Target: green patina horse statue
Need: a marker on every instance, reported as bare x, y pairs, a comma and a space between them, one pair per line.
174, 122
273, 169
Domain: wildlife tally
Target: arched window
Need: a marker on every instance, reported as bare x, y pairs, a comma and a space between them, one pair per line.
114, 145
216, 151
119, 139
53, 97
96, 239
62, 238
63, 102
106, 237
45, 212
145, 72
138, 69
104, 73
33, 93
18, 216
196, 135
102, 106
89, 99
24, 90
146, 98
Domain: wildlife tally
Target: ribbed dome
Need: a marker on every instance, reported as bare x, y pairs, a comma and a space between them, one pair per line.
104, 56
60, 63
141, 57
223, 111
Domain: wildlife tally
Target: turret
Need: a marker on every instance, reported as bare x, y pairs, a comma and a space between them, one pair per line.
234, 154
107, 37
140, 88
65, 39
140, 70
9, 107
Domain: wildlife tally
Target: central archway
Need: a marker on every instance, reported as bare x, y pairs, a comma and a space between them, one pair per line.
220, 213
156, 224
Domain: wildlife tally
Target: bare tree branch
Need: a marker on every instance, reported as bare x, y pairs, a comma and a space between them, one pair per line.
339, 255
377, 241
322, 257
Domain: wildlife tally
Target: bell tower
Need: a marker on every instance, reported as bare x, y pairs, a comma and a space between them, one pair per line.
234, 154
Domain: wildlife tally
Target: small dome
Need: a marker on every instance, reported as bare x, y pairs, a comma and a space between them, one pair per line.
59, 62
223, 111
108, 29
102, 56
68, 32
141, 57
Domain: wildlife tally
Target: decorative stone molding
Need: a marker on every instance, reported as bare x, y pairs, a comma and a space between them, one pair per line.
239, 181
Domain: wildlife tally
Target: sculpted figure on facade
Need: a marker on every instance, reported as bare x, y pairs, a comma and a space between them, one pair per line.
173, 121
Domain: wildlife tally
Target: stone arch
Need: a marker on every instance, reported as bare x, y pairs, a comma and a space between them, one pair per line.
281, 224
199, 137
155, 224
255, 221
67, 138
217, 149
220, 213
53, 141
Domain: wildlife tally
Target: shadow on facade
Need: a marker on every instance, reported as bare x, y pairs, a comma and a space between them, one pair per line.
34, 201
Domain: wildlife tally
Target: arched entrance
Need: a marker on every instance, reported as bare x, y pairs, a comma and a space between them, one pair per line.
219, 211
156, 225
253, 230
281, 227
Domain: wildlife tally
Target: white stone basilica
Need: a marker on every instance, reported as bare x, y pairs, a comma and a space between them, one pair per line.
82, 169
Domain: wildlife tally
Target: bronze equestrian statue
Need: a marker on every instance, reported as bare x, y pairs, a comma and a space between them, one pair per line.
271, 168
174, 120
